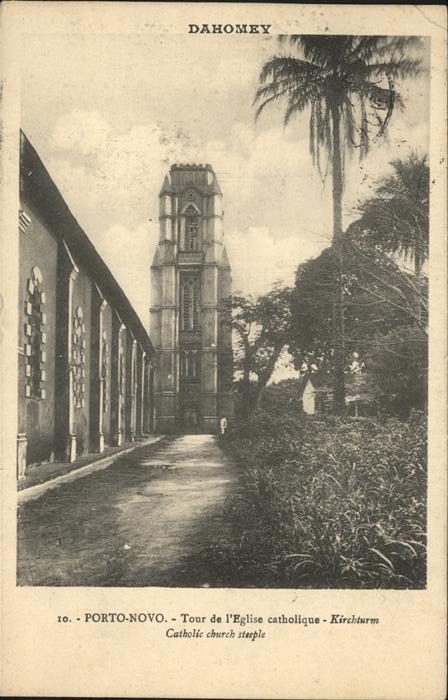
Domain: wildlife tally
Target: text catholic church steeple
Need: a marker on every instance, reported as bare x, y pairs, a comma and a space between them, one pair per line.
190, 276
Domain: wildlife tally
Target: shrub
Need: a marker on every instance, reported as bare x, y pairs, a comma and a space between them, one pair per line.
328, 502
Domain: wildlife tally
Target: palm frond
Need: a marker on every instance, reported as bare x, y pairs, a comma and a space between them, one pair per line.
277, 87
400, 68
364, 129
349, 123
396, 218
313, 144
380, 96
275, 96
281, 67
322, 50
356, 72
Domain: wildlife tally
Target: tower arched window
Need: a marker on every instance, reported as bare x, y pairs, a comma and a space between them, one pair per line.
35, 337
190, 365
194, 367
190, 304
191, 229
183, 364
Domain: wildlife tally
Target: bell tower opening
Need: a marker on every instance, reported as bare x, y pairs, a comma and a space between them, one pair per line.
191, 229
189, 303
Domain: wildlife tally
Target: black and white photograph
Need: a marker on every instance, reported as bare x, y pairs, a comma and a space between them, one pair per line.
223, 310
223, 330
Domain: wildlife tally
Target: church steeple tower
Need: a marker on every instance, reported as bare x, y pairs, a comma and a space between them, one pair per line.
190, 275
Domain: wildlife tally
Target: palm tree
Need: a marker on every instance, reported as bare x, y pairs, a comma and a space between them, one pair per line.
346, 85
396, 218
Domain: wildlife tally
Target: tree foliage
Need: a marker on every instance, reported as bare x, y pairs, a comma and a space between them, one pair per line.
396, 218
378, 296
261, 327
384, 305
398, 370
347, 85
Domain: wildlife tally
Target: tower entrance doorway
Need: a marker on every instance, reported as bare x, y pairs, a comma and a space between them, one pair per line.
191, 420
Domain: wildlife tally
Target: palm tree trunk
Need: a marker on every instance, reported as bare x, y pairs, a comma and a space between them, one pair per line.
336, 158
339, 354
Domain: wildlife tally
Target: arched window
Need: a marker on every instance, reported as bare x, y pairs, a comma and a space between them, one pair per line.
121, 372
35, 337
183, 364
134, 369
190, 304
121, 381
190, 364
105, 371
79, 358
194, 364
191, 229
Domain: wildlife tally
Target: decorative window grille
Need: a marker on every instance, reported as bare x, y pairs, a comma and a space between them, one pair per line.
35, 337
121, 370
134, 370
105, 371
79, 358
191, 229
190, 304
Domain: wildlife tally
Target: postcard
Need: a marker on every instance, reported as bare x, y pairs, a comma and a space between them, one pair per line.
223, 307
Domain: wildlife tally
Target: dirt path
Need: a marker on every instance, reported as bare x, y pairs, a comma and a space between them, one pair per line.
138, 523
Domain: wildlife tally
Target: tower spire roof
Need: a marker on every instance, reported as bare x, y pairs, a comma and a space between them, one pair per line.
183, 175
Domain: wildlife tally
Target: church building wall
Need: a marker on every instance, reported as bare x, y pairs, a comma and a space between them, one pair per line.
36, 333
79, 339
81, 344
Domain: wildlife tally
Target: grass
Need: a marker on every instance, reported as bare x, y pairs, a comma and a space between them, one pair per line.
326, 503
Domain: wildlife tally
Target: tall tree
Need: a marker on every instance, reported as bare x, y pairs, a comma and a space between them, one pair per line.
346, 84
261, 328
378, 299
396, 218
383, 326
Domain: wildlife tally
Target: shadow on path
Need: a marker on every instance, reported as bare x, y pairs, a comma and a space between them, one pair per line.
138, 523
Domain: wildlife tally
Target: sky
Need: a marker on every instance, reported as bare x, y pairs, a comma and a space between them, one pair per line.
108, 114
